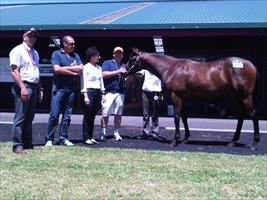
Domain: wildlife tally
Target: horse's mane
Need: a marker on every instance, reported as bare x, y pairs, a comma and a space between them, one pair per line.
172, 58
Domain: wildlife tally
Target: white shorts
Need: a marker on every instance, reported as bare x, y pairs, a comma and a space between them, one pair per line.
113, 105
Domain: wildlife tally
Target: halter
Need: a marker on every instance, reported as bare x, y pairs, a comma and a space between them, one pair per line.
136, 61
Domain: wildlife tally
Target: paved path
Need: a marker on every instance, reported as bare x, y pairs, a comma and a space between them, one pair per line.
207, 135
198, 124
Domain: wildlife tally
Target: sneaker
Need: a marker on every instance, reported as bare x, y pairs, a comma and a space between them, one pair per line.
68, 143
89, 142
94, 141
48, 143
117, 137
102, 138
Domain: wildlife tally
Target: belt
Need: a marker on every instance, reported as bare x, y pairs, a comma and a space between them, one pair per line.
153, 92
95, 89
29, 83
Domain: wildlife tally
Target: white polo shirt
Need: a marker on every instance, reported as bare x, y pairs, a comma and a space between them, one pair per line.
27, 61
151, 83
92, 77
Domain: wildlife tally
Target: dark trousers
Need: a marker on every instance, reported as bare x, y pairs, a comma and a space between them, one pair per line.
90, 112
61, 102
24, 114
150, 109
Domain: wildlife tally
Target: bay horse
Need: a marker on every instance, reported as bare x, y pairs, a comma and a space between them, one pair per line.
186, 79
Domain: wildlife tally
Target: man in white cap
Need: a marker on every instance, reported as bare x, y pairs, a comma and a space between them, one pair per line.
24, 62
113, 71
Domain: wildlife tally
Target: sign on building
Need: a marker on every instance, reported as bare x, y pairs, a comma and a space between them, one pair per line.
5, 75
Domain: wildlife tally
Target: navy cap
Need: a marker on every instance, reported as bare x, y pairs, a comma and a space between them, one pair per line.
30, 31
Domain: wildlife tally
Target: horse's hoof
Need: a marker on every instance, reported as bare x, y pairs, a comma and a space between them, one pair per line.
174, 144
231, 144
253, 148
186, 141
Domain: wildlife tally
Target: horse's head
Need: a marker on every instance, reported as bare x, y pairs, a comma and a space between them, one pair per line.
134, 63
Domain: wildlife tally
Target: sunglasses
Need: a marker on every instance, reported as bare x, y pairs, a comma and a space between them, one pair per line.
118, 52
31, 36
71, 44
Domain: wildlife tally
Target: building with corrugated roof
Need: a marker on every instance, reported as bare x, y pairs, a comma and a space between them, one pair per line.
198, 29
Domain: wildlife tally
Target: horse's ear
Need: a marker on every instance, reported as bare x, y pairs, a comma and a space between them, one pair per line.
135, 50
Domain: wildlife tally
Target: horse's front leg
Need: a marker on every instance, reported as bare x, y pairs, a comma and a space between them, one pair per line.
177, 110
176, 138
187, 132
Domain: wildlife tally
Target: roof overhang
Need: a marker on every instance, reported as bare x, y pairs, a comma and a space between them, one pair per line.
104, 32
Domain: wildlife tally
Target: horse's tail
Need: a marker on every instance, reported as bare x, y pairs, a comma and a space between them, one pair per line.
250, 73
257, 74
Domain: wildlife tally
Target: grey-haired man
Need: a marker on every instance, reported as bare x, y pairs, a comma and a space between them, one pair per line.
24, 62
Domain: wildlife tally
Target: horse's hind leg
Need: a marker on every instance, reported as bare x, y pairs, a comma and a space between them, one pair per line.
187, 132
252, 113
248, 108
241, 115
256, 129
238, 130
177, 130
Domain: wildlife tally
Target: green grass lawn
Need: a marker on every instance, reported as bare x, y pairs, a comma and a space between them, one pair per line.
84, 173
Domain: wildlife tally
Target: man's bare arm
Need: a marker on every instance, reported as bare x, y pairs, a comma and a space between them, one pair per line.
109, 74
16, 76
67, 70
75, 68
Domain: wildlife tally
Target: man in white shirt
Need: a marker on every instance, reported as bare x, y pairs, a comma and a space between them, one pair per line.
151, 95
24, 62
